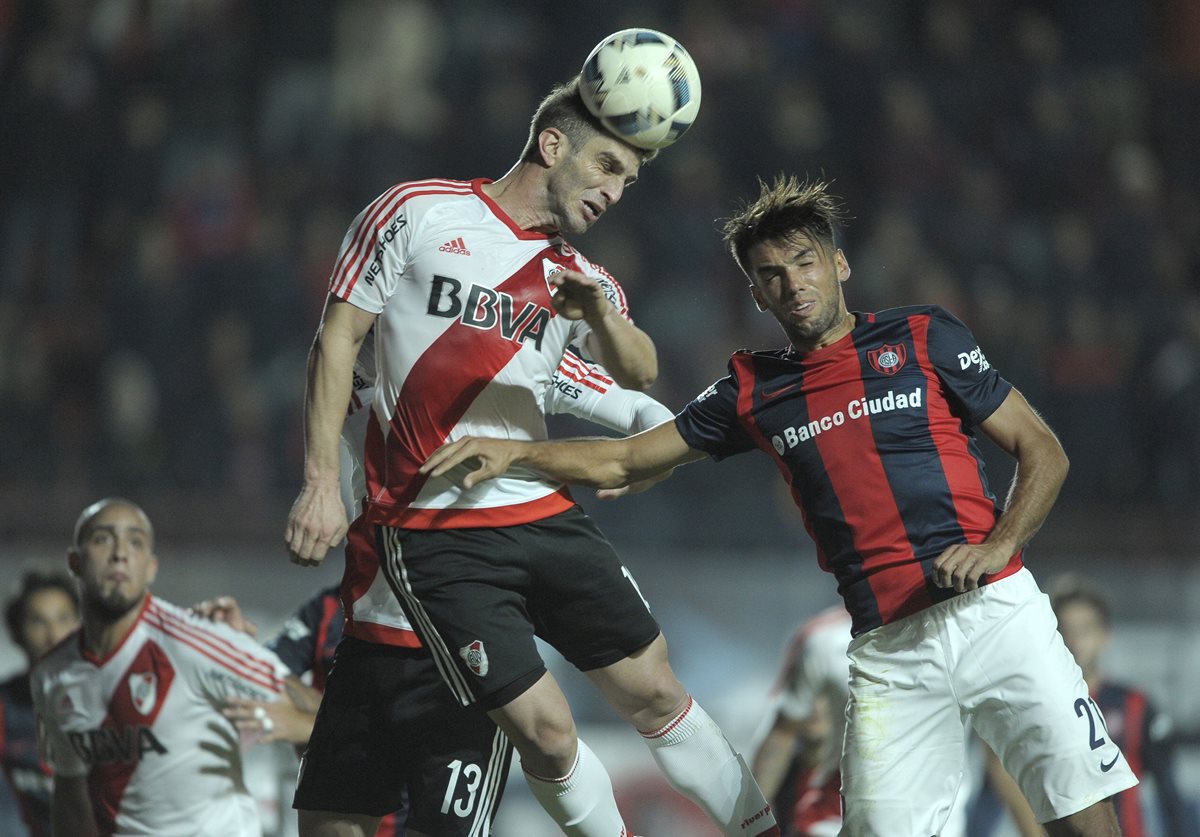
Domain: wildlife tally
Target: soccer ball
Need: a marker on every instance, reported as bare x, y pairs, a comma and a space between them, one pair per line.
643, 86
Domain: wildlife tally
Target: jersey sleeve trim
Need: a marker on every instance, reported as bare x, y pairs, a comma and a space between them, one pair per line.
239, 661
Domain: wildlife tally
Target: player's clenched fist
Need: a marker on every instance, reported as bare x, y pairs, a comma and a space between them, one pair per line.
485, 458
316, 524
578, 296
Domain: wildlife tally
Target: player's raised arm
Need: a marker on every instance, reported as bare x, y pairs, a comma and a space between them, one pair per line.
600, 463
624, 349
318, 518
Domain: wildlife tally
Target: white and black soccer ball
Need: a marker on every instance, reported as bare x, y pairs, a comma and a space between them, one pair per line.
643, 86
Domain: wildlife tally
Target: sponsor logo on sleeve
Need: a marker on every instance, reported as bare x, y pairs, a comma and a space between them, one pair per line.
973, 358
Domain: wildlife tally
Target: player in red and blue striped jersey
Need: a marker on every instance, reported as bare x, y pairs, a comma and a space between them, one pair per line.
44, 610
871, 420
1131, 719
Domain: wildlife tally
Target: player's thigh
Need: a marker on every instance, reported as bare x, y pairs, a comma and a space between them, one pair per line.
459, 764
354, 762
465, 592
904, 747
583, 600
1028, 700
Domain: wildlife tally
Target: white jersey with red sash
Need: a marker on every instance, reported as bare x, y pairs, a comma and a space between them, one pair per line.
144, 723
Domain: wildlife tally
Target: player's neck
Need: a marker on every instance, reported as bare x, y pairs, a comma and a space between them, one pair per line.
520, 193
103, 633
805, 345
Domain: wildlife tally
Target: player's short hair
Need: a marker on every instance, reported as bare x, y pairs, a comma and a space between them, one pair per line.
784, 208
563, 108
32, 583
1071, 589
83, 524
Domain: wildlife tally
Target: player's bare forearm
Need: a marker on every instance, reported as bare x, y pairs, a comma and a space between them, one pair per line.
329, 386
1042, 467
317, 520
625, 350
774, 757
599, 463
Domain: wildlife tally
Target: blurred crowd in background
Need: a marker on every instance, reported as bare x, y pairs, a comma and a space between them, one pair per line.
176, 176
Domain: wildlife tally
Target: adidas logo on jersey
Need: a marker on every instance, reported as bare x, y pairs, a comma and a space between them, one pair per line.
458, 247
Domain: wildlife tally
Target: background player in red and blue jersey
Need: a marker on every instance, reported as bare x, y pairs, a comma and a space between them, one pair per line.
44, 610
871, 420
1143, 733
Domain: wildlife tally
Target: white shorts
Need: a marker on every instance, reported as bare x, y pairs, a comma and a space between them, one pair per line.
992, 658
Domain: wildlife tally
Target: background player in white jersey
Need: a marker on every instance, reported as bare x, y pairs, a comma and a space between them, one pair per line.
474, 296
798, 760
129, 706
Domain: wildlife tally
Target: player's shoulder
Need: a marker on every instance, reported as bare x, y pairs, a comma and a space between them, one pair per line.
612, 288
758, 358
187, 632
907, 312
66, 652
832, 623
414, 197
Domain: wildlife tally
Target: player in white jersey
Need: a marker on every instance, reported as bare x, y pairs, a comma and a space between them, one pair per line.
798, 761
411, 722
129, 706
474, 296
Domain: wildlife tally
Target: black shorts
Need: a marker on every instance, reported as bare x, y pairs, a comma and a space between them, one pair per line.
477, 598
387, 725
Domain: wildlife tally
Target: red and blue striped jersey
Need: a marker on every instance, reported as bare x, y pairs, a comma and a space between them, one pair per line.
874, 435
1145, 737
27, 776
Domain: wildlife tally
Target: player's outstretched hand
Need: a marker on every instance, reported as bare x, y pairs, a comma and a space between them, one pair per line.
317, 523
486, 458
578, 296
225, 609
963, 566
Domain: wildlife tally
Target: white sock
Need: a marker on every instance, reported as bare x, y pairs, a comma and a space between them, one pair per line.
581, 802
699, 762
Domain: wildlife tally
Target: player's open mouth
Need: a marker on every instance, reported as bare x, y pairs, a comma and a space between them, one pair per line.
802, 307
592, 210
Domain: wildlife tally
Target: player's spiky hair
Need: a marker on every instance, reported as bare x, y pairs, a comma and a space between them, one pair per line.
1070, 589
563, 108
784, 208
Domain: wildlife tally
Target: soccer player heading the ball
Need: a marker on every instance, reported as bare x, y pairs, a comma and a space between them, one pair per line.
871, 419
474, 296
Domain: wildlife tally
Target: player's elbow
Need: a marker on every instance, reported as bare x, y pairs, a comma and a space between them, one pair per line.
639, 378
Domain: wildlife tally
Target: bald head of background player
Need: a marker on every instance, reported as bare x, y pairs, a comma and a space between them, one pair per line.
114, 561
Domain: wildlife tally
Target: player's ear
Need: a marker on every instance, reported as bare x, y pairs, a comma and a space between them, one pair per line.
758, 300
73, 561
843, 266
552, 146
152, 569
